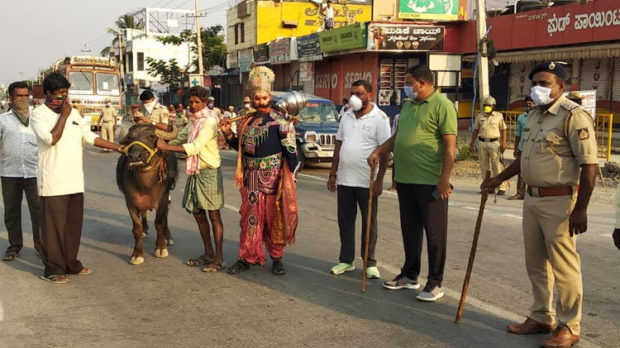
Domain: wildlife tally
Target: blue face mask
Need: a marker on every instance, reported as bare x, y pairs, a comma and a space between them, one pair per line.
409, 92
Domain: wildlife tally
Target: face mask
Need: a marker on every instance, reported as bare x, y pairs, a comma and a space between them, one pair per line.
149, 106
107, 105
247, 106
488, 109
20, 103
410, 93
541, 95
356, 103
210, 106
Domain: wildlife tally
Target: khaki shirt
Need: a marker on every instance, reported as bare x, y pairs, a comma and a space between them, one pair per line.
108, 114
556, 143
159, 114
489, 126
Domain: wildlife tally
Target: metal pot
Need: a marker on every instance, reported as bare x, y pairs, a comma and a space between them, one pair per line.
293, 102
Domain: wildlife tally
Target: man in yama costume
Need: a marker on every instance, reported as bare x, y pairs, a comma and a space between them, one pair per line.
266, 164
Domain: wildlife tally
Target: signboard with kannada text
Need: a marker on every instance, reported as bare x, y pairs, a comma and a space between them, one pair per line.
405, 37
343, 38
308, 48
280, 51
261, 54
437, 10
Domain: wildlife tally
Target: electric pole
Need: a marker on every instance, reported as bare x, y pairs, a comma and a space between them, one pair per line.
199, 43
122, 67
483, 63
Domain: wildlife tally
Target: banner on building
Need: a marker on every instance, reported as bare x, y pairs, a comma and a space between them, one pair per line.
308, 48
588, 101
405, 37
261, 54
437, 10
343, 38
305, 71
280, 51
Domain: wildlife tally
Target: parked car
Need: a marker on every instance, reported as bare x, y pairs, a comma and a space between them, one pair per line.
316, 131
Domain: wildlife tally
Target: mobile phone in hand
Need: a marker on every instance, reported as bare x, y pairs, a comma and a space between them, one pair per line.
436, 195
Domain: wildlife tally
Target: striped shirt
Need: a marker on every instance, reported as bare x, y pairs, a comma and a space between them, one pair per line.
19, 148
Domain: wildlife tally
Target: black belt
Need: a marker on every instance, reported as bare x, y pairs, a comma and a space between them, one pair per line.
489, 140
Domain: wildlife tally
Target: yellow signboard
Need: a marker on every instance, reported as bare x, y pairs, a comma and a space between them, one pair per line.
285, 19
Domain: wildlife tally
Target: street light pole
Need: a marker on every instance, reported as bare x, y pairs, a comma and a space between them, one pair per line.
122, 67
199, 44
483, 63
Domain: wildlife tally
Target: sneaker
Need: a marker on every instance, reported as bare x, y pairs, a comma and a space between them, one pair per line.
372, 273
342, 267
430, 294
401, 282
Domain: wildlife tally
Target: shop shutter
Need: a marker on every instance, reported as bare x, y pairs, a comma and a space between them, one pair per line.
595, 75
615, 91
519, 84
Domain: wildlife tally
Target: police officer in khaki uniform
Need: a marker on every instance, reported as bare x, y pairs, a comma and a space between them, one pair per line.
558, 164
153, 112
490, 132
107, 121
247, 107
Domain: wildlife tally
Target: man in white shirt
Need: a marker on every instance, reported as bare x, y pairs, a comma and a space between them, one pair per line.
19, 169
362, 129
61, 132
330, 13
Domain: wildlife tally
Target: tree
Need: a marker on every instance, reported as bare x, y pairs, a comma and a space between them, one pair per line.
126, 21
168, 72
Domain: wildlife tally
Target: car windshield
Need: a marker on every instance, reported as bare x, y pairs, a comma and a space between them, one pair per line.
81, 82
107, 84
318, 113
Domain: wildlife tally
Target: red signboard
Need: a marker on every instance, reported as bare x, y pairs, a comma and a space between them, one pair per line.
555, 26
334, 76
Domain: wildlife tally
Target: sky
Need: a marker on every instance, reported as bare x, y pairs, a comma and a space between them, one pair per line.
35, 33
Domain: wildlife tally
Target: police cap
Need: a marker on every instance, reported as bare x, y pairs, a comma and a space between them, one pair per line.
555, 68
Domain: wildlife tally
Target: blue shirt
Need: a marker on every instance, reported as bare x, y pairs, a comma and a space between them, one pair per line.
519, 131
19, 148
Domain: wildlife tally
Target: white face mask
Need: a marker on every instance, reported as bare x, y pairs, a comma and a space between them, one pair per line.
149, 106
247, 106
355, 102
107, 105
541, 95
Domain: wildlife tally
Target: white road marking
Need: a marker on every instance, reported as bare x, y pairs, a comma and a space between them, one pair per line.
470, 208
228, 206
513, 216
606, 235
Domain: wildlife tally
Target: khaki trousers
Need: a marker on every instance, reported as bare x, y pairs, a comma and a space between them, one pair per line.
107, 131
551, 258
489, 155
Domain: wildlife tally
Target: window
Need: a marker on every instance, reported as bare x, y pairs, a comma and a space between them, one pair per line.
140, 61
129, 63
242, 32
236, 34
318, 113
107, 84
81, 82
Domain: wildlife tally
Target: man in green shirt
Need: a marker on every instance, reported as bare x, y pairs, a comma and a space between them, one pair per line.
424, 146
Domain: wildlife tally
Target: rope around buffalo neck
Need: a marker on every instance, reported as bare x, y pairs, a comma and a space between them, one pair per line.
146, 147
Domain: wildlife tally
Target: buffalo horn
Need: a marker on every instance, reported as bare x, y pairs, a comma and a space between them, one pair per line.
167, 135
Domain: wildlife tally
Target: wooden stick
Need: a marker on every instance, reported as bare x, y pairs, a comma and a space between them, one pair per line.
238, 118
472, 253
600, 174
368, 222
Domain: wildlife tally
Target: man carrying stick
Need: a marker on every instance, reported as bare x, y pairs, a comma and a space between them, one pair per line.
424, 145
558, 164
362, 129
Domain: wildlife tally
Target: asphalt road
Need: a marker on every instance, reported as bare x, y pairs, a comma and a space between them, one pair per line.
165, 303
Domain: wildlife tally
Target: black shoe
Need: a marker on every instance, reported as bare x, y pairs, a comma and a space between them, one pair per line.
278, 267
501, 192
238, 267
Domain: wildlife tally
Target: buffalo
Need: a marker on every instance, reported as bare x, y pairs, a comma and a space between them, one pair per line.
146, 176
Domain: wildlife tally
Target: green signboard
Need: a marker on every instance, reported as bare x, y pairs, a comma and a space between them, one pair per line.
343, 38
436, 10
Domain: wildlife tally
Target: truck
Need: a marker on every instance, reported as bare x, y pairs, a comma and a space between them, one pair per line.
316, 131
93, 79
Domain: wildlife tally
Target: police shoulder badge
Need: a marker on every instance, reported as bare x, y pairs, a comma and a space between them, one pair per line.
583, 133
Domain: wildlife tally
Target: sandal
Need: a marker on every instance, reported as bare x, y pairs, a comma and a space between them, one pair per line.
85, 271
201, 261
214, 267
56, 279
239, 266
10, 255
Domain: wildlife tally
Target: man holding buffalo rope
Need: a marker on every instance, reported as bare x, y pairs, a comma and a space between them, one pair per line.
424, 145
60, 132
558, 165
266, 163
204, 190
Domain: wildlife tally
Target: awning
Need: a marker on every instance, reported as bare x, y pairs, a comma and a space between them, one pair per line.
562, 53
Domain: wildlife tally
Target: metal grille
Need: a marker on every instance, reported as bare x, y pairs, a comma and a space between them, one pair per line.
327, 140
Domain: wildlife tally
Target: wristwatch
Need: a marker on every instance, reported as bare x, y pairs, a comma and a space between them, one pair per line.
154, 123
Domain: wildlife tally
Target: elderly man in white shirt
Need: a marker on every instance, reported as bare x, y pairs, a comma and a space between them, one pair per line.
61, 133
19, 169
362, 129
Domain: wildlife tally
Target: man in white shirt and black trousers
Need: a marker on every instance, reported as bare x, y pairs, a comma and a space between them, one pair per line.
61, 132
362, 129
